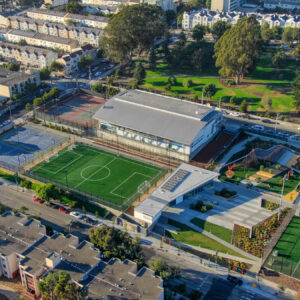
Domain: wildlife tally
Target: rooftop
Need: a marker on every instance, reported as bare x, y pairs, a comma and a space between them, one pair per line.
40, 36
79, 257
26, 48
175, 186
9, 78
157, 115
17, 233
121, 280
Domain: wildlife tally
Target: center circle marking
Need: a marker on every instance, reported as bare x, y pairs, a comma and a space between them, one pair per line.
93, 166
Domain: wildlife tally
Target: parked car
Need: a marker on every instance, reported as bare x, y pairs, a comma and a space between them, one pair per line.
90, 220
76, 215
63, 210
258, 127
267, 121
235, 114
234, 280
37, 199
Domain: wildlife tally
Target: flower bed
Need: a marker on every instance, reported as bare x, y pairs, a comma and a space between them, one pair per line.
262, 233
269, 205
201, 207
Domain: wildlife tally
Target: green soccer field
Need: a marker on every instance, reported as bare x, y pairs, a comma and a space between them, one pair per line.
288, 248
112, 177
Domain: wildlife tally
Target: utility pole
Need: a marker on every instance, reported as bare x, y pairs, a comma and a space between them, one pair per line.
277, 115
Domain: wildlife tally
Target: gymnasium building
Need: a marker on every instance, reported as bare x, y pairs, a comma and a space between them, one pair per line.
158, 124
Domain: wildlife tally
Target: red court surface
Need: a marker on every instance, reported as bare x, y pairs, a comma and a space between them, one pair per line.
78, 109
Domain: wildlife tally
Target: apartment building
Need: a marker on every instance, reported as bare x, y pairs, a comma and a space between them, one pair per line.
56, 253
55, 3
17, 233
284, 4
27, 55
210, 17
41, 40
225, 5
66, 18
84, 35
16, 82
70, 61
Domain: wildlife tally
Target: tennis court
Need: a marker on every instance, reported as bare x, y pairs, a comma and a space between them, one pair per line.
78, 108
288, 259
21, 144
112, 177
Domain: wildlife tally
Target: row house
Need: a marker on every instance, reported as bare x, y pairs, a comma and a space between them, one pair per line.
70, 61
41, 40
284, 4
209, 17
84, 35
16, 82
25, 249
55, 3
66, 18
27, 55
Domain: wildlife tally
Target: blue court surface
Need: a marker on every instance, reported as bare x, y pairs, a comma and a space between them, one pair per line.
19, 145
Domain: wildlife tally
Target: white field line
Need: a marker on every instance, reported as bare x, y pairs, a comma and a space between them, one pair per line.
129, 161
113, 193
95, 172
56, 172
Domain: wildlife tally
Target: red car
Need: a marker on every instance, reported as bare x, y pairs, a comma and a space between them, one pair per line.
36, 199
63, 210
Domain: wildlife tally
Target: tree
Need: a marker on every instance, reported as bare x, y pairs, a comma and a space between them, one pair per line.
238, 48
267, 102
187, 83
296, 91
98, 88
116, 243
47, 191
22, 43
70, 22
277, 32
152, 59
209, 90
132, 31
55, 66
44, 74
13, 66
198, 32
73, 7
59, 286
37, 102
288, 35
162, 269
28, 106
170, 16
85, 61
244, 106
279, 58
139, 72
266, 33
219, 28
296, 53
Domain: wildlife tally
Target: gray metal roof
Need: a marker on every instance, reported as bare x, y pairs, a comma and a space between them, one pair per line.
156, 115
161, 197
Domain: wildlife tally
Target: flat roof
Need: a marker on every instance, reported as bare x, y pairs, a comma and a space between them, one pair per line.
17, 233
10, 78
161, 116
161, 196
118, 279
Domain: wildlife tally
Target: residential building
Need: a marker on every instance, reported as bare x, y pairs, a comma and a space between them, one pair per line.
118, 279
185, 181
70, 61
3, 32
55, 3
41, 40
67, 18
105, 2
158, 124
56, 253
105, 9
284, 4
27, 55
17, 233
209, 17
84, 35
164, 4
16, 82
225, 5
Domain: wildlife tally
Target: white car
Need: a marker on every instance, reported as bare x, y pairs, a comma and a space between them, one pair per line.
234, 114
76, 215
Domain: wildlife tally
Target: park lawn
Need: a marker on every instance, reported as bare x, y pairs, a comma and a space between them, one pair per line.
252, 91
187, 235
240, 173
275, 184
219, 231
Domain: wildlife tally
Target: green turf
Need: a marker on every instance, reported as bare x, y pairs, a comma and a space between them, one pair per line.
112, 177
219, 231
288, 248
187, 235
275, 184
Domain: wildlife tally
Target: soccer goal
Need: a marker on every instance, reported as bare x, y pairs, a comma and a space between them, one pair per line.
144, 187
72, 147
